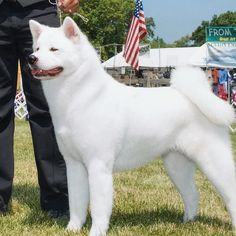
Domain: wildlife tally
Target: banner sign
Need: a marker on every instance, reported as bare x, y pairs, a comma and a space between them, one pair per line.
221, 55
223, 34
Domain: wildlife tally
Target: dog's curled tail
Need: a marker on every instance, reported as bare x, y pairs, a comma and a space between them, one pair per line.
193, 84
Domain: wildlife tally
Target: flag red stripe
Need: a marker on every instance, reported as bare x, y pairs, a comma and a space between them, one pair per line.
136, 33
134, 48
132, 42
133, 53
135, 57
132, 34
130, 31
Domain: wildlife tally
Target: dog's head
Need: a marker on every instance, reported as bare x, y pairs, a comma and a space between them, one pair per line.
56, 50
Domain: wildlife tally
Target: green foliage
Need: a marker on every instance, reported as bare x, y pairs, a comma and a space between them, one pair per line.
185, 41
225, 19
109, 22
150, 23
160, 43
198, 36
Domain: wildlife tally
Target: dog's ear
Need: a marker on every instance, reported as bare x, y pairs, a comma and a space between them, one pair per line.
70, 29
35, 28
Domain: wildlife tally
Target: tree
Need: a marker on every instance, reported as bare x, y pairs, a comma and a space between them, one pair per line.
150, 24
185, 41
109, 22
198, 36
225, 19
159, 43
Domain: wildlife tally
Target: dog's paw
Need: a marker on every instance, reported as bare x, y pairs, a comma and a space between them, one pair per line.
72, 226
96, 231
188, 218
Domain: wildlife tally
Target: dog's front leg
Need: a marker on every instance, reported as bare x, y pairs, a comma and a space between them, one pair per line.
101, 195
78, 193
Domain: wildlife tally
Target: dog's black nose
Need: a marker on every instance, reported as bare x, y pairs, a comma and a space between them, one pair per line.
32, 59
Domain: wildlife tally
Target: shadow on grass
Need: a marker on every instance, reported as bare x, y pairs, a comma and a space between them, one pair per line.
163, 215
28, 196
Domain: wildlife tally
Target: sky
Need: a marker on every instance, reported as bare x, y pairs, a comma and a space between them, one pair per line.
177, 18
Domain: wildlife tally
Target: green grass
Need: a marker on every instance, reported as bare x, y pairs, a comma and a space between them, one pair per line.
145, 202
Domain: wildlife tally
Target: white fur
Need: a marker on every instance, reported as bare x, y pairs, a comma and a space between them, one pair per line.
197, 90
103, 126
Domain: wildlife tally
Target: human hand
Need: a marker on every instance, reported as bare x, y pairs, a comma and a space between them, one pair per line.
68, 6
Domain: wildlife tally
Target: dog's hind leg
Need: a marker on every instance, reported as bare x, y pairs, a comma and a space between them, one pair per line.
78, 193
101, 196
181, 171
215, 159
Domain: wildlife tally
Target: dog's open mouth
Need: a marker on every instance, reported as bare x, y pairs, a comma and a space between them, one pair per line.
43, 73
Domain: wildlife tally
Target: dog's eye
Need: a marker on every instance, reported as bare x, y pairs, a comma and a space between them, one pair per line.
37, 49
53, 49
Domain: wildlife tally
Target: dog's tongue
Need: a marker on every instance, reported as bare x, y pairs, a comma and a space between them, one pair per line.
51, 72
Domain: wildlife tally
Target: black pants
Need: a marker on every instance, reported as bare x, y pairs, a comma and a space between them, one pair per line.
16, 44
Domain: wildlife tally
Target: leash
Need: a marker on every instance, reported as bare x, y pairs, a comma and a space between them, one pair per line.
57, 3
233, 130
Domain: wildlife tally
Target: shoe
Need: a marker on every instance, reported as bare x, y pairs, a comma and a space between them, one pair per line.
3, 206
58, 213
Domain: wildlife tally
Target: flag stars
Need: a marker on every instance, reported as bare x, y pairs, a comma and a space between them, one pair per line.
138, 8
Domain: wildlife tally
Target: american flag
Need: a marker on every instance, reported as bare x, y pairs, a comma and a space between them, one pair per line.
137, 32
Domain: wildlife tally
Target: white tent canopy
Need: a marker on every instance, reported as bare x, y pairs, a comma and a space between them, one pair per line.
199, 58
155, 58
208, 55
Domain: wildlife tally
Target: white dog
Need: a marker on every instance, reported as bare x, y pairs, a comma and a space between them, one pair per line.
103, 126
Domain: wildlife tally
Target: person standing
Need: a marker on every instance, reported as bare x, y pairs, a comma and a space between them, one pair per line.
215, 81
16, 45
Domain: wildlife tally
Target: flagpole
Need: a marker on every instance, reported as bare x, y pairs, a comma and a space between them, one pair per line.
159, 50
115, 46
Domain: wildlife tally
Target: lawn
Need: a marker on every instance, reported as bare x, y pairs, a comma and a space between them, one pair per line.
145, 202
